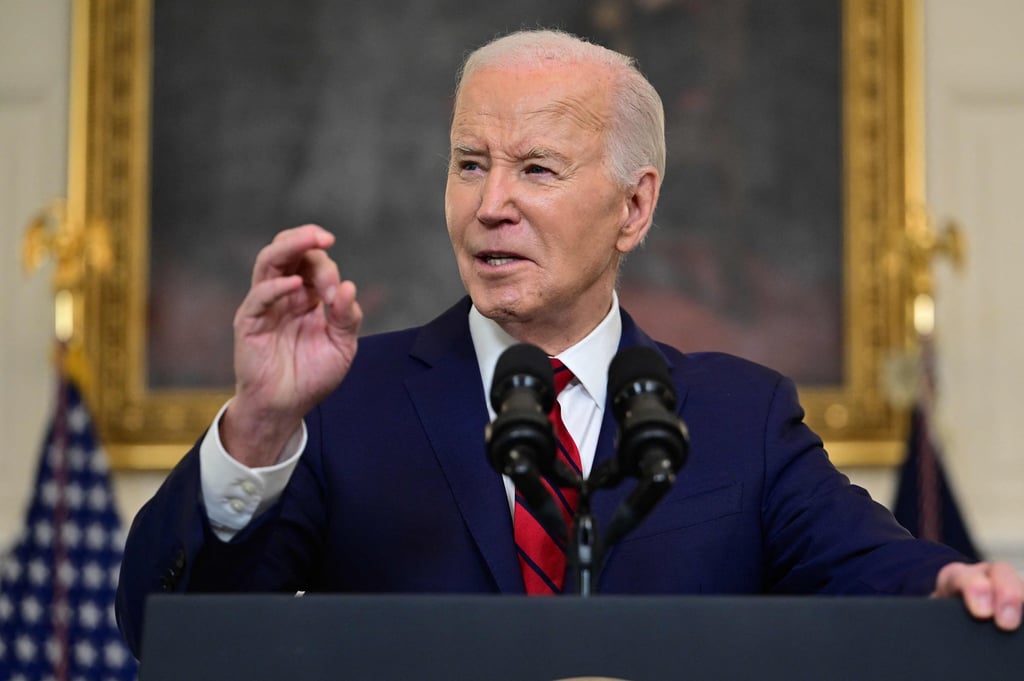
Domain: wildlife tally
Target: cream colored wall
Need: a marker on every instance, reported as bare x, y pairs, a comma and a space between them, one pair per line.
33, 110
974, 101
34, 47
975, 140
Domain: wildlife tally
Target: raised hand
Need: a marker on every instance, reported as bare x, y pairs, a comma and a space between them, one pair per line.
295, 338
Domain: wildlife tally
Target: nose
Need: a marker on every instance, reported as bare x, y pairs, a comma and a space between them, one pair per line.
497, 199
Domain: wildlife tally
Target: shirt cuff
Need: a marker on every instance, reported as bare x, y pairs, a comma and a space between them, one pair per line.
233, 493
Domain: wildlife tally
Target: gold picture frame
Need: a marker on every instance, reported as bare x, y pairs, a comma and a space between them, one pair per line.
145, 428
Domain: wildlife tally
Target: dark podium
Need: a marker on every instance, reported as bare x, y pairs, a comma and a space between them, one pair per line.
494, 638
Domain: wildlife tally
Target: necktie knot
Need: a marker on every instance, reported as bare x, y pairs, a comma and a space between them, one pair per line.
562, 374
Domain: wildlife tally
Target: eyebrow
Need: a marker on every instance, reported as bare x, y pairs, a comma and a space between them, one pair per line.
545, 153
539, 153
466, 150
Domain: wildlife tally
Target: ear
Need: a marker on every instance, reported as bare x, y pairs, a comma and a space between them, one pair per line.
641, 200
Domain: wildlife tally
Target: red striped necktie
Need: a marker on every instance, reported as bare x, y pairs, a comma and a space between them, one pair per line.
541, 556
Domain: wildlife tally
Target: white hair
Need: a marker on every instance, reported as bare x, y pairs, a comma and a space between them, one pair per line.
636, 135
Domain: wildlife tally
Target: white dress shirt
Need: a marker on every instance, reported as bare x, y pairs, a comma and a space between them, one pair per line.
234, 493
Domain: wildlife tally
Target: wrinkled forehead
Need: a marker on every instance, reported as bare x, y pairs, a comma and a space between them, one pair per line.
575, 94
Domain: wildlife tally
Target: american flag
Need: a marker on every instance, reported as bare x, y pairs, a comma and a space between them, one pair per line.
58, 582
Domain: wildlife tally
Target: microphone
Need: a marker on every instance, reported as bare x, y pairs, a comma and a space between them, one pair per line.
520, 441
653, 441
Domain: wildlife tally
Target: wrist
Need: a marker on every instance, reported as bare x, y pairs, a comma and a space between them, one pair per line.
255, 437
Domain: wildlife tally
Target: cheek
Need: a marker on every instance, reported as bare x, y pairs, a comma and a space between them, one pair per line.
457, 209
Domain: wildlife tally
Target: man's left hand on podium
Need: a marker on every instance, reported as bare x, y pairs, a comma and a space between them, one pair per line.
989, 591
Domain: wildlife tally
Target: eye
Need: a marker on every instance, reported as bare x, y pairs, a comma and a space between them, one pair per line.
534, 169
468, 165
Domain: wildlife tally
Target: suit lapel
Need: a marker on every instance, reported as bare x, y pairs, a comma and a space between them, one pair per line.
449, 399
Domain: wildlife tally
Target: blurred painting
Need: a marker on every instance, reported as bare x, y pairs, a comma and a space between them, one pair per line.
268, 115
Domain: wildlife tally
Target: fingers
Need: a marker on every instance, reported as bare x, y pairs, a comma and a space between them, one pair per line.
1008, 596
287, 253
989, 591
263, 295
299, 251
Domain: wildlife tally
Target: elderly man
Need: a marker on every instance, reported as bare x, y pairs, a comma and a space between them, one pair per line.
332, 471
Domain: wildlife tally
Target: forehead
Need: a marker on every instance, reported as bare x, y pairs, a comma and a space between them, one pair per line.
559, 99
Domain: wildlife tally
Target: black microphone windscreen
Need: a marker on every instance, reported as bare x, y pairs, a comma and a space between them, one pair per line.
636, 363
523, 360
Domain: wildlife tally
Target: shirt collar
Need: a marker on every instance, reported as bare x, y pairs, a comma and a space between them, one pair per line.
588, 360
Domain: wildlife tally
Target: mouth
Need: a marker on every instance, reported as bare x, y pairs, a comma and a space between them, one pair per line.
499, 259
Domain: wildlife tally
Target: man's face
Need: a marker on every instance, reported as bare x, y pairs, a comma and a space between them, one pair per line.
537, 223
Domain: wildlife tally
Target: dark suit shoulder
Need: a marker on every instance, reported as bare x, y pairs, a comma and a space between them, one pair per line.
722, 373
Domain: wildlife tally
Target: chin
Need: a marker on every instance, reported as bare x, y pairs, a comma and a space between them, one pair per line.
497, 309
498, 313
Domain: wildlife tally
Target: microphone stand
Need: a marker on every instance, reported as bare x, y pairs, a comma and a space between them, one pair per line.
584, 544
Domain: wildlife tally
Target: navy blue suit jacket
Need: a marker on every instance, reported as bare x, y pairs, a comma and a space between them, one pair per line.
394, 494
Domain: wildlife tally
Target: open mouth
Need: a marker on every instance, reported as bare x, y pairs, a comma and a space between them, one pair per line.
498, 259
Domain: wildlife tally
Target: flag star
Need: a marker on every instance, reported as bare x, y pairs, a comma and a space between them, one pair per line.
74, 495
98, 463
117, 539
92, 575
38, 571
89, 615
3, 650
48, 493
85, 654
25, 648
78, 419
71, 533
31, 610
98, 498
115, 654
43, 532
6, 609
67, 574
96, 536
76, 458
12, 569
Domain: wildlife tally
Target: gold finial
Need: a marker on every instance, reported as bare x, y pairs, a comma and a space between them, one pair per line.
903, 370
75, 249
923, 246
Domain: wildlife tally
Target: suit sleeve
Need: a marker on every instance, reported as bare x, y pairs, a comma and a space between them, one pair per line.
164, 537
825, 535
171, 546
